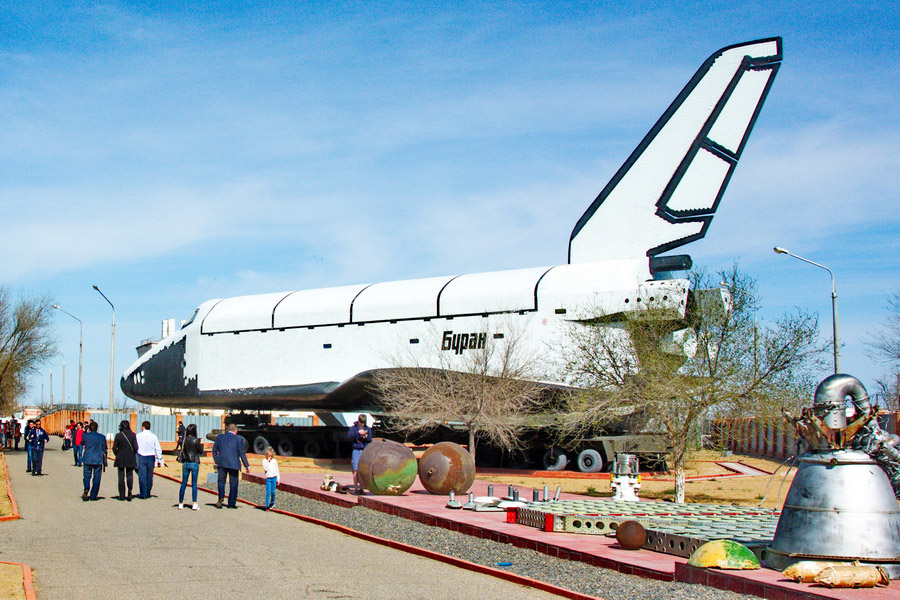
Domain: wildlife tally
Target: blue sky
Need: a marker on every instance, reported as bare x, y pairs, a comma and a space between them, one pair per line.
171, 153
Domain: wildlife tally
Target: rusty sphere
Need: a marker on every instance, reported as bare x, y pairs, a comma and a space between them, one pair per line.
387, 468
631, 535
447, 467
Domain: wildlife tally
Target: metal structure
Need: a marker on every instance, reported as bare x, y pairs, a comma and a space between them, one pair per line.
387, 468
672, 528
447, 467
841, 505
626, 478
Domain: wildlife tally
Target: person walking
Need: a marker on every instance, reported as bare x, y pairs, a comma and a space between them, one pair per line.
67, 435
273, 477
149, 455
77, 441
179, 435
93, 462
28, 427
125, 450
191, 451
361, 436
228, 454
18, 434
36, 440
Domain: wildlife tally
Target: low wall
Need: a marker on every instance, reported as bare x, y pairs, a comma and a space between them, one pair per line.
772, 437
164, 426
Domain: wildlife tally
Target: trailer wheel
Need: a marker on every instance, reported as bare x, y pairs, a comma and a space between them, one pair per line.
312, 448
554, 459
285, 447
590, 461
245, 442
260, 444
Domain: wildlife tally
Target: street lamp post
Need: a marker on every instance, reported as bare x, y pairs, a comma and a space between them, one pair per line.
112, 352
80, 349
834, 310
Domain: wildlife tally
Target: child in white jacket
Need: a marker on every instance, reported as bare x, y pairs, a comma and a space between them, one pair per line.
273, 477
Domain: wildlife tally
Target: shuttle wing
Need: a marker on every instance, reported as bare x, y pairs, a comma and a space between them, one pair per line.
666, 193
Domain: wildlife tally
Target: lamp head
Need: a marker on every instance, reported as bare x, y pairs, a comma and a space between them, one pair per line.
777, 249
96, 288
56, 306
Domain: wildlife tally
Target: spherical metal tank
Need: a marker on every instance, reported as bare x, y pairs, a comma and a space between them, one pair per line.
387, 468
447, 467
631, 535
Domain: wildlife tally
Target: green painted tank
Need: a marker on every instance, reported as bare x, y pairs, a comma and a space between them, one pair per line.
387, 468
447, 467
724, 554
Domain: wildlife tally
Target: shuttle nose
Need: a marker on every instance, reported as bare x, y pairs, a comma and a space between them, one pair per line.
132, 384
160, 377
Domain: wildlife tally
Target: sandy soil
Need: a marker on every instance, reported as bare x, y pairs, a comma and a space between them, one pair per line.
721, 488
11, 582
11, 578
5, 504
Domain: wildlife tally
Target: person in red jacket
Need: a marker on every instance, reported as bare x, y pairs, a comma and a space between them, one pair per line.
78, 443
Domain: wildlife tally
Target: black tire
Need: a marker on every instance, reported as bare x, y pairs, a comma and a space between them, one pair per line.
312, 448
554, 459
590, 461
260, 444
285, 447
246, 443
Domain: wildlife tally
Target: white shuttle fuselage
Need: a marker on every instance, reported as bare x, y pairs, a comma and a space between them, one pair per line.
316, 349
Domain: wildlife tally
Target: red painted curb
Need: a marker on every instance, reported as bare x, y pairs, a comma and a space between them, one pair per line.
27, 580
12, 500
450, 560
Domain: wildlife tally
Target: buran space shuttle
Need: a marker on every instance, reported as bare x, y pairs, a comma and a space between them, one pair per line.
316, 349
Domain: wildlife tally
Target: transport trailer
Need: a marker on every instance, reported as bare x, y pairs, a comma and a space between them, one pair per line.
312, 441
591, 455
542, 450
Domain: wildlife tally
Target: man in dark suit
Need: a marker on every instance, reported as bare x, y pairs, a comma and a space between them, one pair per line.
94, 460
228, 454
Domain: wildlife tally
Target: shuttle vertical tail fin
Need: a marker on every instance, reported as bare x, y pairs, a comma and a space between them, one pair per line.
666, 193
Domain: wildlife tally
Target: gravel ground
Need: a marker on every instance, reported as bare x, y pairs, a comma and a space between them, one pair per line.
577, 576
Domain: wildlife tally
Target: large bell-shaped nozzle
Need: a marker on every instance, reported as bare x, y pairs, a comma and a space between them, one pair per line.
841, 505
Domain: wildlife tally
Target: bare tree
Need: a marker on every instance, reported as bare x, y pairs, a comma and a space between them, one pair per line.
670, 374
25, 343
885, 348
483, 380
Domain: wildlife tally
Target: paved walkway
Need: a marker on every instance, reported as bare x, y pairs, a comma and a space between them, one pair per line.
148, 549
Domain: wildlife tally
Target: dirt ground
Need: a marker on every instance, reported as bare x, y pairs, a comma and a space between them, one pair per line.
5, 504
11, 578
11, 582
286, 464
722, 487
